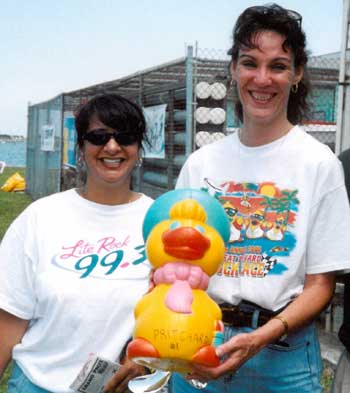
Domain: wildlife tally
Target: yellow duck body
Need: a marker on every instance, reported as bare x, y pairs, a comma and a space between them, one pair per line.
176, 337
177, 323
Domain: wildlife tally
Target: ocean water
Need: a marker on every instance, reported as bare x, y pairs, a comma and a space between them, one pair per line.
13, 153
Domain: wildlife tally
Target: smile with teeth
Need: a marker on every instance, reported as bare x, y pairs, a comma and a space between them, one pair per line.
111, 160
262, 97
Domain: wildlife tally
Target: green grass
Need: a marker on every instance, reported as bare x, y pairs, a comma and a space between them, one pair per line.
11, 205
327, 378
5, 378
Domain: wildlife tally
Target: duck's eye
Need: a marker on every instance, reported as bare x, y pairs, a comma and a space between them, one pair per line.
174, 225
200, 229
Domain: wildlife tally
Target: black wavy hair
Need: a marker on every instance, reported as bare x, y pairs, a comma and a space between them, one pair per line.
288, 24
114, 111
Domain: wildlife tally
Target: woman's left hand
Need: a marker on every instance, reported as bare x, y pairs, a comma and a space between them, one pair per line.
317, 293
119, 382
238, 350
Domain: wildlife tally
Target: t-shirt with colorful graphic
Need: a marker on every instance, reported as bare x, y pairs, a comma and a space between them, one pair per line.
288, 210
76, 269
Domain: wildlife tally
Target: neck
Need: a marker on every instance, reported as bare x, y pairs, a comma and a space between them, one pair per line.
262, 134
108, 196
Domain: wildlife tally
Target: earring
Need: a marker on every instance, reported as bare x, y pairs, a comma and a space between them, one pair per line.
81, 170
139, 162
81, 160
232, 84
294, 88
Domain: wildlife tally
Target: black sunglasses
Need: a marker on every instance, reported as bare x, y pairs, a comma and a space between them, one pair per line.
101, 136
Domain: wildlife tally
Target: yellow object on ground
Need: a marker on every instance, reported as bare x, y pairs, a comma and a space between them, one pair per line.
14, 183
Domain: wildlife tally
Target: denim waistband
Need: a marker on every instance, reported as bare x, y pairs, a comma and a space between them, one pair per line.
19, 382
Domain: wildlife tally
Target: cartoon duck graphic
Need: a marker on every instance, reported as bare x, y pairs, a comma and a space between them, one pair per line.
276, 231
255, 228
236, 223
177, 323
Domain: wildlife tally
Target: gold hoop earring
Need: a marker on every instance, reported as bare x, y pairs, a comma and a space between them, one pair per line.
294, 88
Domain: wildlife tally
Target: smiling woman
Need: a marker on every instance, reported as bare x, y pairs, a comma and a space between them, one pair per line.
110, 146
278, 186
73, 263
264, 76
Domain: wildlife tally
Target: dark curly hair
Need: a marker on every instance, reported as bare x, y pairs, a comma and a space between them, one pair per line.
288, 24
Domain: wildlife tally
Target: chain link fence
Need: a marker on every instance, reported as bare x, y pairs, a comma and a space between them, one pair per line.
44, 147
163, 92
194, 103
213, 102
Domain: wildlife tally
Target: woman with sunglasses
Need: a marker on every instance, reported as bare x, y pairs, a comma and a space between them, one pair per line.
73, 263
288, 189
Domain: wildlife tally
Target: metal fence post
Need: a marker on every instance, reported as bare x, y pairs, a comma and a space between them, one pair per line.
189, 99
138, 171
170, 135
60, 171
342, 140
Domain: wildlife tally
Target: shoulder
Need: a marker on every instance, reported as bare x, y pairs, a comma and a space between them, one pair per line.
145, 201
218, 147
49, 205
201, 161
300, 135
53, 200
311, 150
26, 223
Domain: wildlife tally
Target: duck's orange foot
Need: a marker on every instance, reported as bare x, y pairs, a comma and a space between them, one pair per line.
206, 356
139, 347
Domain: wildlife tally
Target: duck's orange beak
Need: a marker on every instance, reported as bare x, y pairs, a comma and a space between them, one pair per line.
185, 243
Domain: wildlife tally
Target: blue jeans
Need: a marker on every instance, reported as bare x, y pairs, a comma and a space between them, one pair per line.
294, 367
19, 383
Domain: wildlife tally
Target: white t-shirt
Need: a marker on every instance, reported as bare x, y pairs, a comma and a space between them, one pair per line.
288, 209
75, 269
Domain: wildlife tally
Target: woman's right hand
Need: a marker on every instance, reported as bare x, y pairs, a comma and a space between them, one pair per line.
119, 382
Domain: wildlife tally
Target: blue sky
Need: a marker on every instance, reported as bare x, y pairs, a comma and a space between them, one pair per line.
49, 47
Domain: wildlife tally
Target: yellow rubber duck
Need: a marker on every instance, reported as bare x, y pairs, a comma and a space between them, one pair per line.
177, 323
